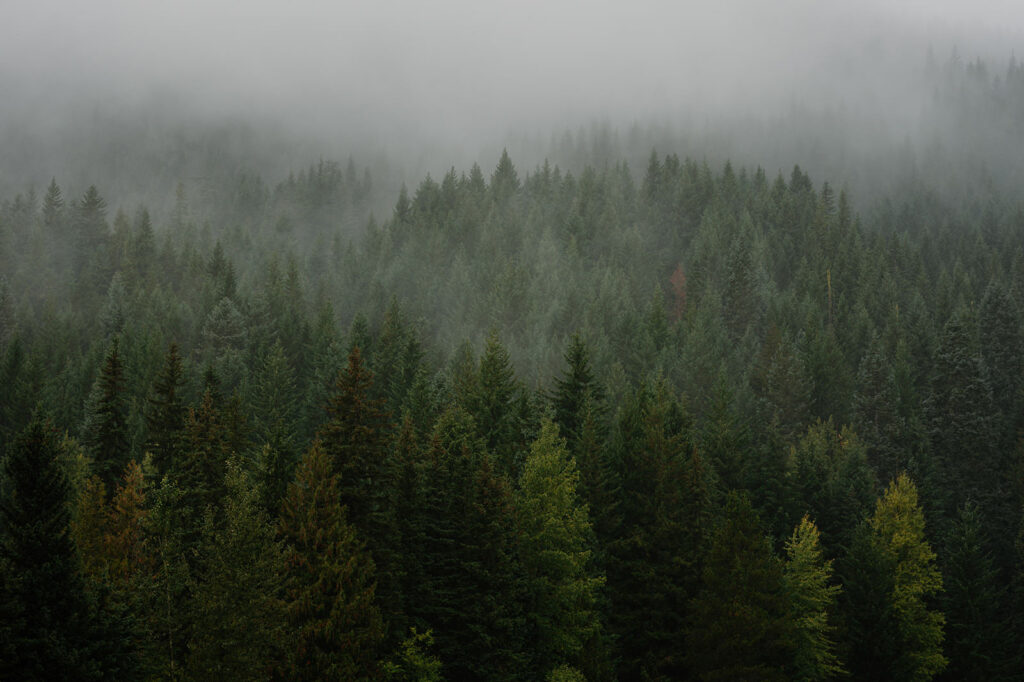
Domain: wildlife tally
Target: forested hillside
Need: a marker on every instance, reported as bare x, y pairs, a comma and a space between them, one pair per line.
688, 420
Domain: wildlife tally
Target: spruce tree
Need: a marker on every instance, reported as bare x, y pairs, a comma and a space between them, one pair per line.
898, 531
739, 625
331, 585
812, 602
573, 389
239, 616
977, 633
554, 540
496, 407
106, 429
50, 628
355, 439
165, 417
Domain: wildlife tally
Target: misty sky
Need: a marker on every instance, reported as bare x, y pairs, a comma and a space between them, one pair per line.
452, 70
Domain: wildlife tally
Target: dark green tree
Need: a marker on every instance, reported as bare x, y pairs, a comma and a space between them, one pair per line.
106, 431
165, 417
240, 628
978, 642
573, 389
331, 588
50, 627
739, 626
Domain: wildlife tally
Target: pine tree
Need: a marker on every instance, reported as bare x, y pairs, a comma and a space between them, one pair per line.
275, 409
50, 629
554, 539
471, 588
739, 622
573, 389
831, 481
876, 416
331, 589
497, 408
165, 417
898, 530
106, 430
812, 601
124, 540
978, 643
200, 469
240, 624
355, 439
653, 555
960, 413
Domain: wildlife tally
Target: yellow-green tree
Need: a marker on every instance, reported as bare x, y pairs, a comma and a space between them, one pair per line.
554, 537
898, 533
812, 600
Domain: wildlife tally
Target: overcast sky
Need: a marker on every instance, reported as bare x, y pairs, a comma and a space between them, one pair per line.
447, 69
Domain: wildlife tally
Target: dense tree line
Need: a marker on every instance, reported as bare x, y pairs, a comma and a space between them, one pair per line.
681, 423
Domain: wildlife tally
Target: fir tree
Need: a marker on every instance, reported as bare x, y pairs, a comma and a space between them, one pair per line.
812, 602
978, 643
106, 430
165, 417
739, 622
573, 389
898, 530
50, 628
331, 589
554, 540
240, 625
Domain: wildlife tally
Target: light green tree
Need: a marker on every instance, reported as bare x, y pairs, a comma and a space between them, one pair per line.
811, 601
898, 531
554, 534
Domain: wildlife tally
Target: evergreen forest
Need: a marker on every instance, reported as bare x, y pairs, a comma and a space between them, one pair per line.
584, 419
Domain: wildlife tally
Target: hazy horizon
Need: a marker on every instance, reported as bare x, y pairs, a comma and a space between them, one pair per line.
450, 83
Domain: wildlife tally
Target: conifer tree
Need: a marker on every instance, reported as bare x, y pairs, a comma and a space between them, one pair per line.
165, 417
331, 589
898, 531
124, 540
275, 408
812, 601
239, 616
497, 408
653, 556
573, 389
739, 621
199, 472
106, 430
355, 439
50, 629
978, 644
554, 539
831, 481
472, 590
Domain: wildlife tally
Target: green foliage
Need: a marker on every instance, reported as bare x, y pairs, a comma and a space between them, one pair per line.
331, 588
832, 482
165, 418
977, 632
554, 538
239, 623
898, 531
51, 629
812, 601
413, 662
106, 431
739, 624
